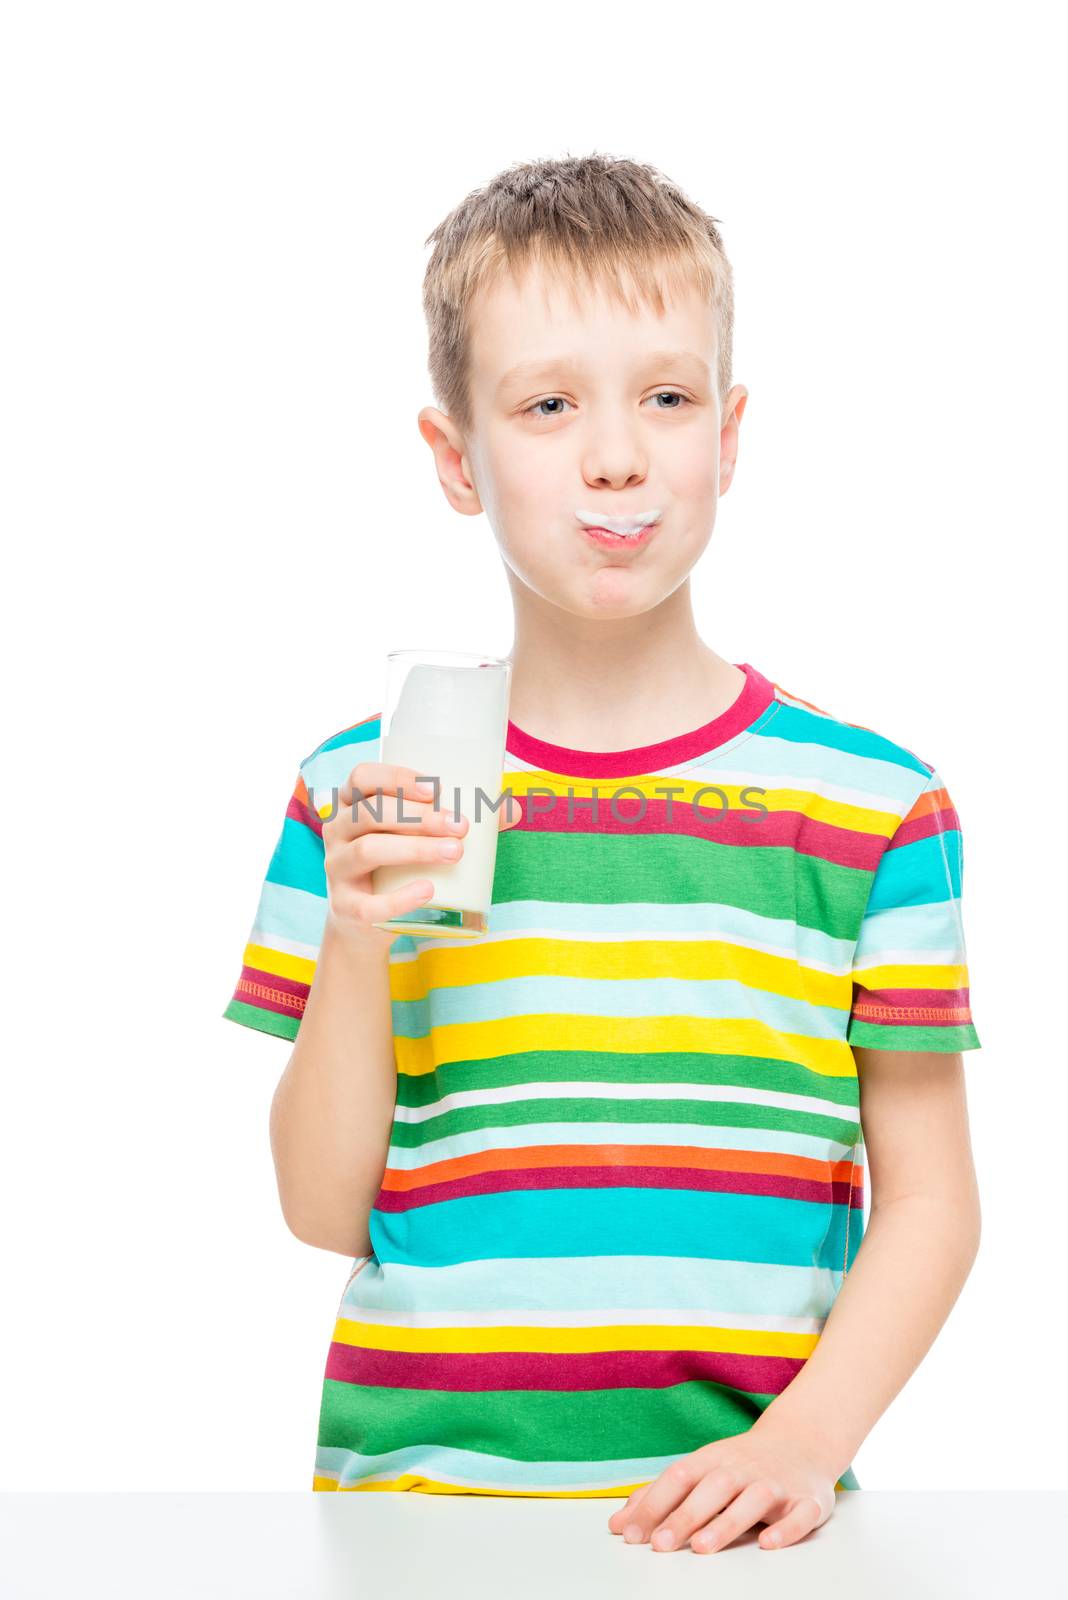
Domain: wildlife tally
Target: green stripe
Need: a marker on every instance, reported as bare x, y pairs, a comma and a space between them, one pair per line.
874, 1036
609, 1066
265, 1021
537, 1425
607, 869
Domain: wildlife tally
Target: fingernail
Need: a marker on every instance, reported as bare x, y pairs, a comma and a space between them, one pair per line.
664, 1539
426, 789
633, 1533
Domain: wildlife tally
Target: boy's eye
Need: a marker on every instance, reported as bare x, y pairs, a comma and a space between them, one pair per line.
669, 394
553, 400
558, 400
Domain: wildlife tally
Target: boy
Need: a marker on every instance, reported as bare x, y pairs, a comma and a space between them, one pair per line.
603, 1167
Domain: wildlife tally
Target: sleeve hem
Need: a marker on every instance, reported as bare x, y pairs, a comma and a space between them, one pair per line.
263, 1021
874, 1036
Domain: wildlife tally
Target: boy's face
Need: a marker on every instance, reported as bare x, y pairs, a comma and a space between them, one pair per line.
616, 414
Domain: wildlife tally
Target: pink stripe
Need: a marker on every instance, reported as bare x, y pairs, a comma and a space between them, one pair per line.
302, 813
545, 1370
943, 998
633, 1177
942, 821
912, 1008
746, 825
271, 993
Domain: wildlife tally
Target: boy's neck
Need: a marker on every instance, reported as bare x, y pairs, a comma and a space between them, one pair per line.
616, 684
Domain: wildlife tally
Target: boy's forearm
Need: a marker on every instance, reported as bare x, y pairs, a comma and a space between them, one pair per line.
333, 1109
913, 1261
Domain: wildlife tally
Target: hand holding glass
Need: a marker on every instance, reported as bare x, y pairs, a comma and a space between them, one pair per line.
446, 716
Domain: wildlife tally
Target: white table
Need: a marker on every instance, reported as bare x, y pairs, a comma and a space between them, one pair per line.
878, 1545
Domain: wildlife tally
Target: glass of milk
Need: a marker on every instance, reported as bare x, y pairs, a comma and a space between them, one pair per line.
446, 715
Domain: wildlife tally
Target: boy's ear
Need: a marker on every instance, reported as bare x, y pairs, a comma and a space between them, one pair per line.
733, 407
448, 445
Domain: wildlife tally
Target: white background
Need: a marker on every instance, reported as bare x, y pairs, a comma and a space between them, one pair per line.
215, 498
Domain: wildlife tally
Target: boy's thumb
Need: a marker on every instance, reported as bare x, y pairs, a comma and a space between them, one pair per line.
511, 812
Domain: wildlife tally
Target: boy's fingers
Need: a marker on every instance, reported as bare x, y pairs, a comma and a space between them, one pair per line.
630, 1502
370, 776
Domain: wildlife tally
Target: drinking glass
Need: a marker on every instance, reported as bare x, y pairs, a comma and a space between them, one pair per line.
446, 715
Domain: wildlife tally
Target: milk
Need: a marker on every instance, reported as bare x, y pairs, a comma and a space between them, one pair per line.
450, 724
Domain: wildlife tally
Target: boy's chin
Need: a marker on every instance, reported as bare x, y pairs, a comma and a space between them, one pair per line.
611, 596
607, 593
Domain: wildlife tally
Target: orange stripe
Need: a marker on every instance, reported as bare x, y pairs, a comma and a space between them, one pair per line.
930, 800
615, 1155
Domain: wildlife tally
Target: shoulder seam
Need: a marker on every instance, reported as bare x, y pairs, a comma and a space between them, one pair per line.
349, 728
860, 727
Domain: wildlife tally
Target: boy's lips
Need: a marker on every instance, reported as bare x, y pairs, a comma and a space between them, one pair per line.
617, 541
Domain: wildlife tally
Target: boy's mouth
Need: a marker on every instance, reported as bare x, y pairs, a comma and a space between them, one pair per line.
615, 541
615, 532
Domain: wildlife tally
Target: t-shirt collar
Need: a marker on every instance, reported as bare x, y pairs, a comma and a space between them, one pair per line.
753, 700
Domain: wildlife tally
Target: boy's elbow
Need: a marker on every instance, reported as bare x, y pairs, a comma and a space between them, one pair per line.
968, 1235
350, 1245
977, 1230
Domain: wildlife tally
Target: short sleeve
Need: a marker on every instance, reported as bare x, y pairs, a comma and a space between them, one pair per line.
910, 973
283, 945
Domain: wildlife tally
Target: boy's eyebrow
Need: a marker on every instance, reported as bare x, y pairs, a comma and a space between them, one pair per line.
530, 371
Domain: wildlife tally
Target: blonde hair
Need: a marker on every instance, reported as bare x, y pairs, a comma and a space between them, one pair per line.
597, 217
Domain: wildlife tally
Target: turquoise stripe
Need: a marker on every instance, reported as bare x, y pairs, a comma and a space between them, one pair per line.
914, 930
547, 994
617, 1285
614, 1221
367, 733
298, 861
923, 873
485, 1471
296, 915
800, 727
330, 765
889, 785
441, 1463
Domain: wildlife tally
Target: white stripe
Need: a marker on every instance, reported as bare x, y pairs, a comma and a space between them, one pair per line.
511, 1093
875, 956
615, 1318
772, 782
283, 946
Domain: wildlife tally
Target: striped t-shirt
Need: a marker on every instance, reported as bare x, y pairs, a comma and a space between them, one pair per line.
625, 1176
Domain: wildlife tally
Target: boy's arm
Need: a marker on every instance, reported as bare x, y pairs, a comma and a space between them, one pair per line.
332, 1112
918, 1249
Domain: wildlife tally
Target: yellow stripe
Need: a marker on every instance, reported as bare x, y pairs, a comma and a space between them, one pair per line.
626, 959
416, 1482
478, 1041
574, 1341
279, 964
913, 977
